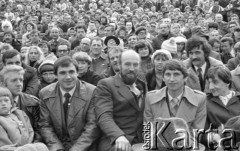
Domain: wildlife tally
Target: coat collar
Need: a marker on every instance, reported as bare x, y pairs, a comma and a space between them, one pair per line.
189, 94
124, 91
216, 99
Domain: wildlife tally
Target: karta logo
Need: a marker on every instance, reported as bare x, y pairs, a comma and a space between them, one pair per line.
174, 134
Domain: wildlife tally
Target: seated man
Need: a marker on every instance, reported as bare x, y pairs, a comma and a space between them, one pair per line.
176, 99
119, 105
30, 79
13, 79
67, 119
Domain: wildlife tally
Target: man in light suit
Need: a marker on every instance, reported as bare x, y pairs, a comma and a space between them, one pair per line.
176, 99
67, 119
119, 102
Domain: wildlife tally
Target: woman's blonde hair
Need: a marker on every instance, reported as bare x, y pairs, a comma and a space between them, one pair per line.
41, 55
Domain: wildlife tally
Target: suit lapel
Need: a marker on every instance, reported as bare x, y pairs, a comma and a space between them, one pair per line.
125, 92
56, 106
78, 101
184, 109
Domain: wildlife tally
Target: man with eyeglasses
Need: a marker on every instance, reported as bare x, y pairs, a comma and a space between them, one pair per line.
164, 34
62, 50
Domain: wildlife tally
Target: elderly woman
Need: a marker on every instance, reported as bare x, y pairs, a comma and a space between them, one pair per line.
155, 77
34, 57
84, 73
145, 50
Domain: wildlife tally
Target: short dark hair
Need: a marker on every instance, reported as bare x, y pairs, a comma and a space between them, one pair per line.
197, 42
229, 39
64, 61
81, 27
9, 54
173, 64
221, 72
142, 44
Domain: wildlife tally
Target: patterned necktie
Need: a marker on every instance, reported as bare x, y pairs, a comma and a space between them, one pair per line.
174, 106
66, 105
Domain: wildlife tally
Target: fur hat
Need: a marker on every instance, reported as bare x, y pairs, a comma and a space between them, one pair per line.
161, 51
170, 45
47, 65
180, 39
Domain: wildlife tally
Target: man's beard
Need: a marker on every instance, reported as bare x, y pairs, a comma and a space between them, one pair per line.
129, 80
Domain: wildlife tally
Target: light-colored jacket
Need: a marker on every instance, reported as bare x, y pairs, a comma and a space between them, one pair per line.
15, 129
192, 108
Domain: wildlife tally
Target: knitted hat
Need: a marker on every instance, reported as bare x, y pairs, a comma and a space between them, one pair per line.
170, 45
47, 65
161, 51
180, 39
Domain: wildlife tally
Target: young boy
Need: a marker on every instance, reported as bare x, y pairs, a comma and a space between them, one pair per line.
15, 128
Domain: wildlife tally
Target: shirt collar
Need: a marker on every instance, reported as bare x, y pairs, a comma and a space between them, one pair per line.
16, 99
178, 97
70, 92
203, 67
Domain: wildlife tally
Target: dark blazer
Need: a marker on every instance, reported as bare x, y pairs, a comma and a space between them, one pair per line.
30, 105
218, 113
31, 82
158, 40
81, 128
90, 77
118, 112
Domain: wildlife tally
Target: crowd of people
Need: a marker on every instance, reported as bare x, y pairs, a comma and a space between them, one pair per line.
85, 75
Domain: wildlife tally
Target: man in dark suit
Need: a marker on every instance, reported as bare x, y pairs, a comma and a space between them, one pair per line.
119, 105
67, 119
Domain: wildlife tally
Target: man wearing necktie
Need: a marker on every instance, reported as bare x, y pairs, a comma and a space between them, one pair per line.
119, 103
67, 119
176, 99
198, 63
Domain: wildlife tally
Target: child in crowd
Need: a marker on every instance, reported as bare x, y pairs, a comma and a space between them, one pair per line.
15, 128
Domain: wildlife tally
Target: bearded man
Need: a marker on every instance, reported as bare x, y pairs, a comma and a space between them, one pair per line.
119, 102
